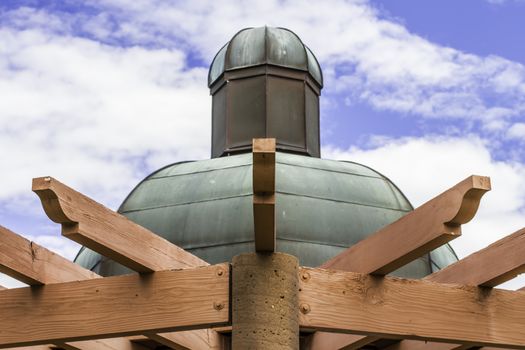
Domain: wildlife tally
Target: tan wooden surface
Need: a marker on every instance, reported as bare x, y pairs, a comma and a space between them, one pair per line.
113, 235
103, 344
420, 231
30, 263
264, 194
498, 263
489, 267
410, 237
107, 232
414, 309
115, 306
196, 339
333, 341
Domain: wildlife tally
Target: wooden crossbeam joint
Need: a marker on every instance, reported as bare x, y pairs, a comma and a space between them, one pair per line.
113, 235
429, 226
390, 307
115, 306
264, 194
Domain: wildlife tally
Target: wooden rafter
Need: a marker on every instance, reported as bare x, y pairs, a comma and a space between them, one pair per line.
427, 227
414, 309
107, 232
113, 235
115, 306
30, 263
431, 225
498, 263
264, 194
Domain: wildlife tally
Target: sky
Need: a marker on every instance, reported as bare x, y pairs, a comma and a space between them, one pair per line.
100, 93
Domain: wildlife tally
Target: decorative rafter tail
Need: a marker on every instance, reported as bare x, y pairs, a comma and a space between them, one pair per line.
427, 227
107, 232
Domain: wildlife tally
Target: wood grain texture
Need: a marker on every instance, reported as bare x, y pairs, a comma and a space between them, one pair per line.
107, 232
103, 344
264, 194
414, 309
115, 306
30, 263
336, 341
204, 339
113, 235
429, 226
417, 233
498, 263
489, 267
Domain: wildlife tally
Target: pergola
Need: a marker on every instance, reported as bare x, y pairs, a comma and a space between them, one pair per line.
264, 299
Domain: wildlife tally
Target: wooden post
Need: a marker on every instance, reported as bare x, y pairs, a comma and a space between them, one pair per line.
265, 309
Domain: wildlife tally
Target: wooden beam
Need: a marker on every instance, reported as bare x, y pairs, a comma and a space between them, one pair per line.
113, 235
414, 309
429, 226
107, 232
498, 263
204, 339
336, 341
115, 306
103, 344
30, 263
264, 194
417, 233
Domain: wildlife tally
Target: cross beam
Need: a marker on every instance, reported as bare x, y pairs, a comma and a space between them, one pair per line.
115, 306
392, 307
498, 263
429, 226
113, 235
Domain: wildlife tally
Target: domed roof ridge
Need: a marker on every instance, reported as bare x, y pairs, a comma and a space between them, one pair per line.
265, 45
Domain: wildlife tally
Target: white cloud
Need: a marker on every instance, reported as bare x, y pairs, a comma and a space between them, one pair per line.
363, 54
93, 114
424, 167
517, 131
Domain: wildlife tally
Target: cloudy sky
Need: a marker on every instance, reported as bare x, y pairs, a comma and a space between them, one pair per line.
99, 93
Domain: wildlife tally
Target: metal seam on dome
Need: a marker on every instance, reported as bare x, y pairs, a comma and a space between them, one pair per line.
198, 172
250, 194
341, 201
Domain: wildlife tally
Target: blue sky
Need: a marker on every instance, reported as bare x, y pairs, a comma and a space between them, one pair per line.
99, 95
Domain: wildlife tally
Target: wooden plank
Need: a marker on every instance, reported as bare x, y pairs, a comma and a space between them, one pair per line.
107, 232
115, 306
408, 344
332, 341
498, 263
417, 233
103, 344
184, 340
30, 263
429, 226
264, 194
113, 235
414, 309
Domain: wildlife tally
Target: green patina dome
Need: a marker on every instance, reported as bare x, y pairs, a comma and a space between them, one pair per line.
322, 207
265, 45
